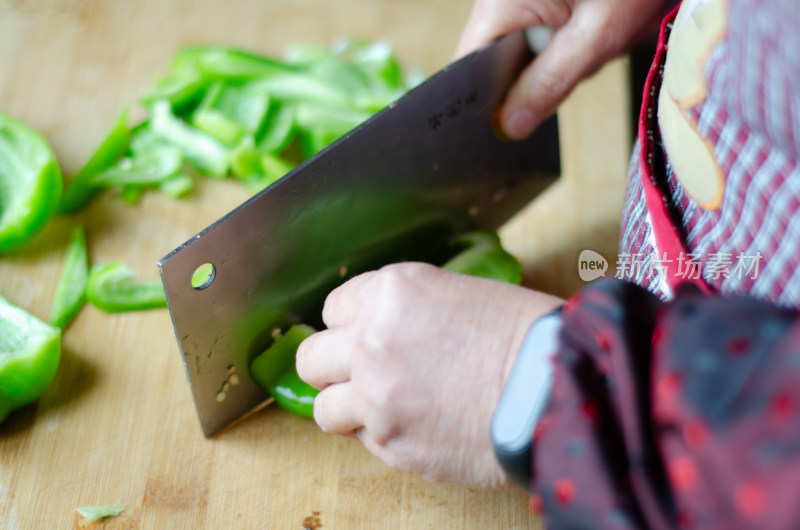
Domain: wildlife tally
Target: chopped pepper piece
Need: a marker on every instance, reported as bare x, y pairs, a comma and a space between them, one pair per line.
113, 288
484, 256
275, 371
230, 113
223, 107
151, 163
176, 185
294, 394
150, 167
180, 92
95, 513
29, 353
213, 63
71, 290
203, 151
278, 129
82, 188
258, 170
30, 183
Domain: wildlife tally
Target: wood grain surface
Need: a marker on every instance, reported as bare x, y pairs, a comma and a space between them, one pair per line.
118, 424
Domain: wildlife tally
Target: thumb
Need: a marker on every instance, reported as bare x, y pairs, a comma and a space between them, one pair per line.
576, 50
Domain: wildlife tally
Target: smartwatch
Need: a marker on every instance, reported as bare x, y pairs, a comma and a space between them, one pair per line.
524, 396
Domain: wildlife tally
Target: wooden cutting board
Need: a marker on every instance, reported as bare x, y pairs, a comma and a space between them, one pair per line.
118, 424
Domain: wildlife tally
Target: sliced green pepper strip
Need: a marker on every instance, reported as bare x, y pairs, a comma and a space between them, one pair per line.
176, 185
81, 189
113, 288
95, 513
71, 290
368, 72
274, 167
320, 126
376, 59
225, 63
181, 92
485, 257
300, 86
30, 183
294, 394
351, 81
229, 113
313, 141
275, 371
202, 151
218, 126
29, 353
278, 130
257, 170
317, 117
132, 193
150, 167
245, 161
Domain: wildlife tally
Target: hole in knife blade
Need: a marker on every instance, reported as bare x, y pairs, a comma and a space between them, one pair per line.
203, 276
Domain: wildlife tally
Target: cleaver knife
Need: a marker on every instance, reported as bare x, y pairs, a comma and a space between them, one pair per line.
396, 188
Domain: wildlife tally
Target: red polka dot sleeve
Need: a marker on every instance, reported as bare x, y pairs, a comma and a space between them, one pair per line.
671, 415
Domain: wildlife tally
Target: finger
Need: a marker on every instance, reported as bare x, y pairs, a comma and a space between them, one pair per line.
324, 358
574, 53
489, 21
336, 410
343, 303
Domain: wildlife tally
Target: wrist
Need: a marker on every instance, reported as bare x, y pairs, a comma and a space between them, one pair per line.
530, 311
524, 397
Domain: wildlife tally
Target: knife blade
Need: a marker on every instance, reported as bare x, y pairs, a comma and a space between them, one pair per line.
396, 188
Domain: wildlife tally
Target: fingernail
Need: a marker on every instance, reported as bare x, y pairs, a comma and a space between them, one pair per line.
521, 123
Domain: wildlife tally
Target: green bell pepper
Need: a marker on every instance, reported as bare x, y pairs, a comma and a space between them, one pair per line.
278, 129
231, 113
82, 188
29, 353
294, 394
150, 163
182, 93
95, 513
215, 63
485, 257
257, 170
30, 183
176, 185
201, 150
275, 371
71, 290
113, 288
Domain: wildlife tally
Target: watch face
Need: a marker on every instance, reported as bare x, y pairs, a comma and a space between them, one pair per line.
524, 396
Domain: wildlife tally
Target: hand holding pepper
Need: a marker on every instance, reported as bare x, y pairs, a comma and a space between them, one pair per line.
413, 363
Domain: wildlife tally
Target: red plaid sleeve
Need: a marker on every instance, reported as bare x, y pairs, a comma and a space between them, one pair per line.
671, 415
